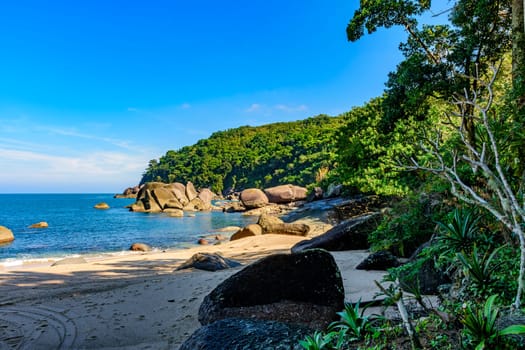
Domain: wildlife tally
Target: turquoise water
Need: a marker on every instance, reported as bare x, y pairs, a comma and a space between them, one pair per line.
75, 227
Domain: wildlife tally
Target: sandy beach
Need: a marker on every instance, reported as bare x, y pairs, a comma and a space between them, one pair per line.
132, 301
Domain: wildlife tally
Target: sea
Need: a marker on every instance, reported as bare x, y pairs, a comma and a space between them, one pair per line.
76, 228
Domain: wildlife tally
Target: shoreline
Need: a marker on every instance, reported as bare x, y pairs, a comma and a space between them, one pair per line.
136, 301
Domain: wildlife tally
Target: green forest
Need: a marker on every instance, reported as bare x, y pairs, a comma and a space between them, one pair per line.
445, 143
300, 152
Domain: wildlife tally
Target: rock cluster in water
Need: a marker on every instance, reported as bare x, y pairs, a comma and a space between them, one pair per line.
173, 198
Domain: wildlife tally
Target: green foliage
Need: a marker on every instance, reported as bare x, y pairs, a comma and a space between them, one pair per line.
480, 326
409, 224
367, 157
374, 14
353, 326
353, 323
482, 271
319, 341
264, 156
460, 234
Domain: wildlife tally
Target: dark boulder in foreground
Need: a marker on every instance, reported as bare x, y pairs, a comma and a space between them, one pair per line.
381, 260
349, 235
208, 262
304, 288
246, 334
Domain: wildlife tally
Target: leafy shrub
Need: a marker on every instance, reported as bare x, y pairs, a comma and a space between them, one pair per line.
409, 224
480, 326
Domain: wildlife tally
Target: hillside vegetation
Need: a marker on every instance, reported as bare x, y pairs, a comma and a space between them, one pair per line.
299, 152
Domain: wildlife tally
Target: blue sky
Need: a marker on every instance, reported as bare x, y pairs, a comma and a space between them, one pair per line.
90, 91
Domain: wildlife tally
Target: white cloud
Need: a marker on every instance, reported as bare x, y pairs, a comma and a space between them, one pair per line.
102, 170
253, 108
73, 133
185, 106
291, 109
132, 109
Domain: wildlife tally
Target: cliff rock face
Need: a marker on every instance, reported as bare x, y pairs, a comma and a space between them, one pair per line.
156, 197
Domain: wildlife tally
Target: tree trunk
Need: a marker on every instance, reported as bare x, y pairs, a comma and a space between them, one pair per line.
518, 52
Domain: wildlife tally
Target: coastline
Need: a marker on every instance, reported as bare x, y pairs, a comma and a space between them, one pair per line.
137, 300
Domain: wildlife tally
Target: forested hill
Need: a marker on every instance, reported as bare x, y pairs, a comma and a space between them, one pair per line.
293, 152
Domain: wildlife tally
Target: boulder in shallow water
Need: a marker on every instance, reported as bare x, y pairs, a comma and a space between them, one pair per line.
246, 334
140, 247
191, 192
41, 224
101, 205
6, 235
208, 262
253, 198
179, 190
206, 196
304, 288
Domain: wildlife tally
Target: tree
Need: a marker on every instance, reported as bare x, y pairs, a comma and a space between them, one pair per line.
476, 160
497, 194
440, 59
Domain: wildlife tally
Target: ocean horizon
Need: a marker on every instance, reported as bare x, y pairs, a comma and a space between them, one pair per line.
77, 228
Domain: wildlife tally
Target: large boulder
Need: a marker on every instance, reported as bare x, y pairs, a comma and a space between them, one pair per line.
348, 235
146, 201
6, 235
248, 231
179, 190
304, 288
173, 203
196, 204
285, 193
274, 225
191, 192
253, 198
246, 334
208, 262
156, 197
162, 196
206, 195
